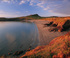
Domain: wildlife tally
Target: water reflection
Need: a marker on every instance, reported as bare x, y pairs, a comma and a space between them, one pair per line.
17, 36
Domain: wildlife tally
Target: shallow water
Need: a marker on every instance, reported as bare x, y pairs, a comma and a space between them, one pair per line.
17, 36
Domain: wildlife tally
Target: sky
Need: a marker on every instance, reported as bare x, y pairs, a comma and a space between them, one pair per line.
18, 8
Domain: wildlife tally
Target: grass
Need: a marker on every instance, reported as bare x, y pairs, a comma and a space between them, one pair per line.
57, 48
30, 17
58, 20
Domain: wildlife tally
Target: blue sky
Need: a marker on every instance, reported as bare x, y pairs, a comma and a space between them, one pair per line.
17, 8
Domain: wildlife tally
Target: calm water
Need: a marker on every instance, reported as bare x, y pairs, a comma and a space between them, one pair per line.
17, 36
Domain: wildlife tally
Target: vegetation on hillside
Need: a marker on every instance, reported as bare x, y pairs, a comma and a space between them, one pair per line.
61, 22
30, 17
57, 48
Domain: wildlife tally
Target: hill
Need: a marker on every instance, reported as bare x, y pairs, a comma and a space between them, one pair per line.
29, 17
35, 17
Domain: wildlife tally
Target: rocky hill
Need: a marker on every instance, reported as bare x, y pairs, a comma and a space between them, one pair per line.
31, 17
62, 23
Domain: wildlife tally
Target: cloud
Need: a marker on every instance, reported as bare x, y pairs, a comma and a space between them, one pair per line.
9, 1
46, 8
21, 2
6, 1
1, 12
57, 6
32, 2
62, 8
7, 14
40, 4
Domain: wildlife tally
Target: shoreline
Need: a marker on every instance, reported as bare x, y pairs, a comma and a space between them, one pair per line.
44, 35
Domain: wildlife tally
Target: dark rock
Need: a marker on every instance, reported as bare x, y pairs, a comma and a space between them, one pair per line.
66, 25
53, 29
18, 53
54, 25
49, 24
15, 53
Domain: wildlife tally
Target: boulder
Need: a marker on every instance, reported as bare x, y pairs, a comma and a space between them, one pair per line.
49, 24
66, 25
18, 52
54, 25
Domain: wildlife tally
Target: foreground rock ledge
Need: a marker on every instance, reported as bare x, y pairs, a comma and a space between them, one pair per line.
57, 48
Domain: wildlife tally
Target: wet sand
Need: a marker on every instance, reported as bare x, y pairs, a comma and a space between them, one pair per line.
46, 36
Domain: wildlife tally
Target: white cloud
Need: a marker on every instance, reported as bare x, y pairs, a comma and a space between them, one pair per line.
7, 14
57, 6
9, 1
22, 2
6, 1
46, 8
31, 2
40, 4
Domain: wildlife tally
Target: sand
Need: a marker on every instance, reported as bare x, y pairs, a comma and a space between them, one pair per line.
46, 36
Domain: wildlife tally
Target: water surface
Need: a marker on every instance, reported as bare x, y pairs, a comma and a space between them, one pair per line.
17, 36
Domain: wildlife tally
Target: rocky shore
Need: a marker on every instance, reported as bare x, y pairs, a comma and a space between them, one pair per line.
53, 44
59, 47
46, 36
